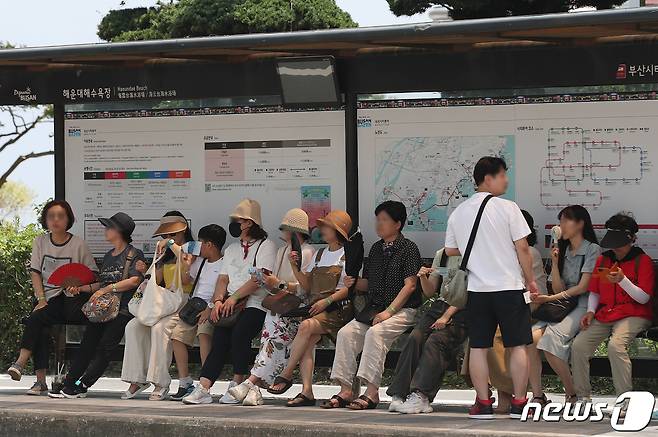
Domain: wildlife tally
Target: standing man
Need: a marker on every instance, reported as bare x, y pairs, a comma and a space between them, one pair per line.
500, 261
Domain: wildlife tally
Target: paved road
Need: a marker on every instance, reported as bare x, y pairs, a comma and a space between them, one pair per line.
103, 413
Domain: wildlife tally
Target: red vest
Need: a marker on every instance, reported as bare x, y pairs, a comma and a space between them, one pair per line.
614, 303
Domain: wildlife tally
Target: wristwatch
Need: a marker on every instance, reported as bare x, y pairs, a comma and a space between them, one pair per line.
211, 305
114, 288
283, 285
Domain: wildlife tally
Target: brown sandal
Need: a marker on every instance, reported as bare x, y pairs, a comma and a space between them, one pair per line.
280, 380
369, 404
301, 401
340, 403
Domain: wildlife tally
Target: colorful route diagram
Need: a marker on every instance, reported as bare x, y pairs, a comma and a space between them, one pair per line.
432, 175
582, 164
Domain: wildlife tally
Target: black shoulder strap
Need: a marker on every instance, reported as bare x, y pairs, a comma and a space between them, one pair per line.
257, 249
126, 266
474, 231
318, 255
637, 269
198, 275
443, 262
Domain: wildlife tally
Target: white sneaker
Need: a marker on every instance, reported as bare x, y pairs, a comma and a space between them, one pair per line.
253, 398
140, 388
228, 398
396, 402
199, 396
416, 403
240, 392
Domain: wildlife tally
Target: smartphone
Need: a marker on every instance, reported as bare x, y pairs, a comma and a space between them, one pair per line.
296, 246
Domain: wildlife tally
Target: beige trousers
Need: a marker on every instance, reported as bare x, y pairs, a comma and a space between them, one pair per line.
621, 333
372, 342
148, 352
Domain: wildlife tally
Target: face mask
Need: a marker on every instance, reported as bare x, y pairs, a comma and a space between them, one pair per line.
235, 229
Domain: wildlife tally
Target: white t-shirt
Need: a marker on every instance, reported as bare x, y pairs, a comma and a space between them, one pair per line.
205, 286
236, 267
330, 258
493, 265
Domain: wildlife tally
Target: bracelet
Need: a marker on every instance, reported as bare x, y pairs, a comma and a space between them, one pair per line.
41, 298
236, 296
329, 300
391, 309
114, 288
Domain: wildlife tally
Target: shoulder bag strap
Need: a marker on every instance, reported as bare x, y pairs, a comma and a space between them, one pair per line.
637, 269
198, 275
471, 239
318, 256
257, 249
126, 266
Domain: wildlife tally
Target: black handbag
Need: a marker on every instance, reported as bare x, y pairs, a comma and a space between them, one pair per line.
368, 313
556, 310
195, 305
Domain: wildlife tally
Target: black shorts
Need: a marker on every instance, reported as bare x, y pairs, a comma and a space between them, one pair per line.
490, 309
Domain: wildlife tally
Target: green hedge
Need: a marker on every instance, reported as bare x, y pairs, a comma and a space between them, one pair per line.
15, 286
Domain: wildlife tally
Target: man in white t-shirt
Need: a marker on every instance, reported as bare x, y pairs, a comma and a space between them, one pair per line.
499, 272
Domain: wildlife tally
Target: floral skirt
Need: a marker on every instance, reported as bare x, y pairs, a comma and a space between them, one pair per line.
276, 339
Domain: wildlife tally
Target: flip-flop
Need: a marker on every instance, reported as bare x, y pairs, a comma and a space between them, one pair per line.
303, 401
280, 380
328, 404
370, 405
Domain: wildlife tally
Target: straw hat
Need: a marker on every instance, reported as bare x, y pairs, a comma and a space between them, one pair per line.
295, 220
170, 225
338, 220
248, 209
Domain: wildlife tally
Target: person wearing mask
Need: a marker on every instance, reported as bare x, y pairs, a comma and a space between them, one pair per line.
148, 350
330, 307
55, 305
244, 261
573, 262
498, 357
389, 280
620, 305
204, 271
101, 339
432, 346
278, 331
499, 272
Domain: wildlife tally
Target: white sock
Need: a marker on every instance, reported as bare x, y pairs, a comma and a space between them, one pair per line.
248, 383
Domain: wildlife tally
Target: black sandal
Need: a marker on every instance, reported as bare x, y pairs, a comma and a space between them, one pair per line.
327, 405
300, 401
280, 380
370, 404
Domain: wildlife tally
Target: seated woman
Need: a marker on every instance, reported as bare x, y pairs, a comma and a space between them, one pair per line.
389, 279
573, 262
254, 252
148, 350
55, 306
619, 307
278, 332
118, 274
330, 310
430, 348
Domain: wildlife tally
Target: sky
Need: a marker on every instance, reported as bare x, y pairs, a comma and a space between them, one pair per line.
75, 22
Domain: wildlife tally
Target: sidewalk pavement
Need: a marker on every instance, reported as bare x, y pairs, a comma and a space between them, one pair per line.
103, 413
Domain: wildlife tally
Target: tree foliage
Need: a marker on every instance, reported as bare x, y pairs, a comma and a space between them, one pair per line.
14, 197
193, 18
15, 249
467, 9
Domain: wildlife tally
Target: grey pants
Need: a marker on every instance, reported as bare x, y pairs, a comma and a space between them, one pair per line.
428, 353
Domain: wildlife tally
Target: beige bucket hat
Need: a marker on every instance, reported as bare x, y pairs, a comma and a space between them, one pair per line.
338, 220
170, 225
295, 220
248, 209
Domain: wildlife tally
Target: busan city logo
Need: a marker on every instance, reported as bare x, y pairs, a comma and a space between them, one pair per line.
75, 132
638, 406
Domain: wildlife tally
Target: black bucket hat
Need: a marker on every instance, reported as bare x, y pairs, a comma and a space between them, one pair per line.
120, 221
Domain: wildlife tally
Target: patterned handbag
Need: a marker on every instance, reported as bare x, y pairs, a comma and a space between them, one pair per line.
106, 307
